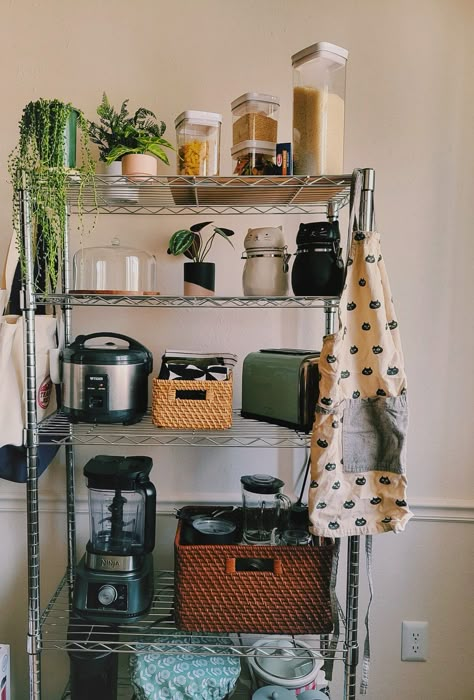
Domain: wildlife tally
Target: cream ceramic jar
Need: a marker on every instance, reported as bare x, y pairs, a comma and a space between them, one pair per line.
266, 263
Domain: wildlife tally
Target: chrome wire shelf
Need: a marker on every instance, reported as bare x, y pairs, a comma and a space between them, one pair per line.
209, 195
156, 633
157, 300
244, 432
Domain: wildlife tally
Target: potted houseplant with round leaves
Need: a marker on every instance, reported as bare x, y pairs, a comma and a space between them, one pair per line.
42, 163
137, 141
199, 276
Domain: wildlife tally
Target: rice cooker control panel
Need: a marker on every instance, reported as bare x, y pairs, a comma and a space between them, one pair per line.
97, 391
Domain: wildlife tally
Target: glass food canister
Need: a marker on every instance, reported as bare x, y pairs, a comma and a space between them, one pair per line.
255, 118
114, 269
266, 263
198, 137
254, 158
319, 85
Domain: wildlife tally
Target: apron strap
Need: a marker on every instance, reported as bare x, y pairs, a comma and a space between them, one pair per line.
364, 680
336, 612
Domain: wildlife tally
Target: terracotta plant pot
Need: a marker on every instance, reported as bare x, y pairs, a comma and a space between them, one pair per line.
199, 279
139, 165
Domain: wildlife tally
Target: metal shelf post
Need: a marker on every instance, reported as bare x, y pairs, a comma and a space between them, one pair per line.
31, 442
366, 219
70, 486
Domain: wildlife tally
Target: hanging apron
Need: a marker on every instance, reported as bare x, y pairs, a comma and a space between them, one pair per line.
358, 444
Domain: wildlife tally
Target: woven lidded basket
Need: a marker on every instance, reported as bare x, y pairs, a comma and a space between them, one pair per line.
218, 589
204, 405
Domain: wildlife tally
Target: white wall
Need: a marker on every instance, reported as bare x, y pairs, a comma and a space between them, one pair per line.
409, 115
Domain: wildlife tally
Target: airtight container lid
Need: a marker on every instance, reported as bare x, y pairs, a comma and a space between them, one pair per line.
274, 692
255, 97
196, 117
267, 148
322, 49
285, 662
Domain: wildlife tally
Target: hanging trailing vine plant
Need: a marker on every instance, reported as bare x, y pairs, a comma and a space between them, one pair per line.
39, 164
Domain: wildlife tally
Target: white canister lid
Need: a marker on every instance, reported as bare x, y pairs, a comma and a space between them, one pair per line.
267, 148
196, 117
254, 97
322, 49
273, 692
289, 663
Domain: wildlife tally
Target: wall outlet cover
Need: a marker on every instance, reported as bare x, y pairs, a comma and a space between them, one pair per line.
414, 640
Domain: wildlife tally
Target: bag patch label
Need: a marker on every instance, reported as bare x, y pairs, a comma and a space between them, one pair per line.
44, 393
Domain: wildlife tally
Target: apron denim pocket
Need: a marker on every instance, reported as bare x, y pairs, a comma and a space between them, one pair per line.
374, 434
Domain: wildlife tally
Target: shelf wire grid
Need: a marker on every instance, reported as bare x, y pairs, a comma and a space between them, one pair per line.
245, 432
155, 633
158, 300
209, 195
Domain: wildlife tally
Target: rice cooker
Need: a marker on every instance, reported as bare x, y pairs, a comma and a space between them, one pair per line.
105, 383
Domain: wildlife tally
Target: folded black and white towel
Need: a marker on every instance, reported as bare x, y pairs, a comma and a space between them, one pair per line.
171, 370
195, 365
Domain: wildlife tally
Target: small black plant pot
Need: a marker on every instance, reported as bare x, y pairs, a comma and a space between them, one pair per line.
199, 279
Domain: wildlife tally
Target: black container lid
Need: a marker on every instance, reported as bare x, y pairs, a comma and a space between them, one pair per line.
262, 483
318, 232
112, 472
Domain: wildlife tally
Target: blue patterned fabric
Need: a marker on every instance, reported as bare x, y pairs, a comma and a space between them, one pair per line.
183, 676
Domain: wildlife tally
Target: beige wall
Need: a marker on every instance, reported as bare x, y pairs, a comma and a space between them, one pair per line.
409, 113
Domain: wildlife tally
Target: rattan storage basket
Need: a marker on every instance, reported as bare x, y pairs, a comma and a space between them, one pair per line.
202, 405
214, 594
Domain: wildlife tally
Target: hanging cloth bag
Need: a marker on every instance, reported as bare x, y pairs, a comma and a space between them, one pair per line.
358, 444
13, 403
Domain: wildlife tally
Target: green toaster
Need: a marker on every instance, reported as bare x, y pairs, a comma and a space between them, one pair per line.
281, 386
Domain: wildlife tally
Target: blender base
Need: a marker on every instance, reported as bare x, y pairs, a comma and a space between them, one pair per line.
111, 597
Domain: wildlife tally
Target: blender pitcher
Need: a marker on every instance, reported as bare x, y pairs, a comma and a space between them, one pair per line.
265, 508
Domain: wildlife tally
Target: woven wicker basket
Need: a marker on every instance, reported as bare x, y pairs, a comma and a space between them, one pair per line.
203, 405
213, 594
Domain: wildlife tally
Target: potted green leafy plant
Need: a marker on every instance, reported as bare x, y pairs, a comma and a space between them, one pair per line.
41, 163
199, 276
137, 141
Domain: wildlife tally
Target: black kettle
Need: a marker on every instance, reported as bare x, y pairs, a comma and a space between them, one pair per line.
318, 269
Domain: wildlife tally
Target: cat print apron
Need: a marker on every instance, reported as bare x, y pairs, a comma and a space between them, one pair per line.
358, 444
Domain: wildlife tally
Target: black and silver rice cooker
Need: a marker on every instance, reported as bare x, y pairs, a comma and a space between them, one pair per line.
105, 383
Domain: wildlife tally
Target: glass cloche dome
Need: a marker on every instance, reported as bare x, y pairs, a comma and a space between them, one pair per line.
114, 269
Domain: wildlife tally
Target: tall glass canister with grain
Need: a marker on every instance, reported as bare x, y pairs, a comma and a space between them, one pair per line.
319, 86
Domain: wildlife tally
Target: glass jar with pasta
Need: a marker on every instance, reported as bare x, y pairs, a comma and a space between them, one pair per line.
198, 143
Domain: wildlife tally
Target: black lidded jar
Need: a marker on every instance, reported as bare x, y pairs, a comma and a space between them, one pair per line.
318, 269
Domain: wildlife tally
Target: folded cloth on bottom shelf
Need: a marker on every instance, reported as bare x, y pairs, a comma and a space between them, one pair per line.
182, 675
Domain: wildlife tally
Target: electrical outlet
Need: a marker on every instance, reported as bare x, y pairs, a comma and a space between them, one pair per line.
414, 641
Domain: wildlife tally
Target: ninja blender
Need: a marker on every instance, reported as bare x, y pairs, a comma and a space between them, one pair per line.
114, 579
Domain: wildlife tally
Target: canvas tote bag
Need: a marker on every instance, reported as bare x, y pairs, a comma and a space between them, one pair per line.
13, 402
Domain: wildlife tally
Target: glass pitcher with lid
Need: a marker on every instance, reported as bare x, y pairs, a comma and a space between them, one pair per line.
265, 508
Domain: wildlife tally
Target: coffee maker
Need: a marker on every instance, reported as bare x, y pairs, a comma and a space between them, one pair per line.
114, 579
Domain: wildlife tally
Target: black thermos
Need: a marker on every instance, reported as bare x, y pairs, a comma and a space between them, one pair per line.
93, 674
318, 269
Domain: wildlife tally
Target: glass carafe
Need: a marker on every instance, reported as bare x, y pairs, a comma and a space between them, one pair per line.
265, 508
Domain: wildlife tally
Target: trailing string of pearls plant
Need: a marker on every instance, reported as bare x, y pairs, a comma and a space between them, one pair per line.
41, 163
